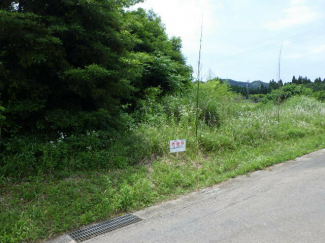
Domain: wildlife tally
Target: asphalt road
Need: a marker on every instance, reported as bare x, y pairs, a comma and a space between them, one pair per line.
284, 203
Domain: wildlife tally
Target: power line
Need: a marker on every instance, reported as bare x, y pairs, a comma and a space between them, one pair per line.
313, 64
291, 40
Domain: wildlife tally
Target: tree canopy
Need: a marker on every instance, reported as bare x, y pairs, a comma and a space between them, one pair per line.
71, 56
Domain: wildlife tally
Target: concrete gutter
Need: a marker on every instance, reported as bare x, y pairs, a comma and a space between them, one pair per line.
61, 239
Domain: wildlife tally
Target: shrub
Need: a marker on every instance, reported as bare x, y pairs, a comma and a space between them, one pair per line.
285, 92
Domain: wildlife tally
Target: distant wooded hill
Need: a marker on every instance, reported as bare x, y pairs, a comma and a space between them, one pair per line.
252, 85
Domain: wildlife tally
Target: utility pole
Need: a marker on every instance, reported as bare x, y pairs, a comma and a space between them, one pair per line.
198, 84
279, 75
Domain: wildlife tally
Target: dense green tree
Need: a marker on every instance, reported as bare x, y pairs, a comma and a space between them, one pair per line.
273, 85
161, 61
285, 92
239, 89
318, 86
78, 55
303, 80
320, 95
318, 80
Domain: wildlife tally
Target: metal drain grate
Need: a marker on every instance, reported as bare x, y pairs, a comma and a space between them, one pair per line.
104, 227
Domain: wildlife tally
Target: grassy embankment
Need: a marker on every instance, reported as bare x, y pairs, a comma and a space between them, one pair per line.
235, 138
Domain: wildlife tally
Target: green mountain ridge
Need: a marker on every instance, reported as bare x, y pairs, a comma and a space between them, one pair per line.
255, 84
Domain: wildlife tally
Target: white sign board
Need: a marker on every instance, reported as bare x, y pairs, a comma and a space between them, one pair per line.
177, 145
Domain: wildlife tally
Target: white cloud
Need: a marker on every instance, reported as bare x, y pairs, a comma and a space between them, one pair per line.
298, 13
318, 50
233, 28
286, 42
293, 56
296, 2
183, 18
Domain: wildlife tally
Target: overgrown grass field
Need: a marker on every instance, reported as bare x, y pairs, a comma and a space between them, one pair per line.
56, 186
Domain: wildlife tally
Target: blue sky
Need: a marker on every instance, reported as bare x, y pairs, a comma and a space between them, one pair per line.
242, 38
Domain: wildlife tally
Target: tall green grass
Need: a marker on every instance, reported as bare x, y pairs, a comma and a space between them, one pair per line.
228, 124
95, 176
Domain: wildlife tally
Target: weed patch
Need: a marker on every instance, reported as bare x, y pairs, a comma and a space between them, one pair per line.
98, 178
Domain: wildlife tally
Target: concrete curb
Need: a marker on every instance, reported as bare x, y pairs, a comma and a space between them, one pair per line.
61, 239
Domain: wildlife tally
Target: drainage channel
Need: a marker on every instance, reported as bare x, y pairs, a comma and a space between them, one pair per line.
104, 227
